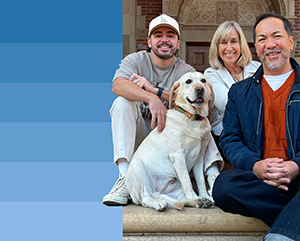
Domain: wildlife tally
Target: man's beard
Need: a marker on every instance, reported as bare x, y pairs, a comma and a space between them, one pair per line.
274, 65
168, 55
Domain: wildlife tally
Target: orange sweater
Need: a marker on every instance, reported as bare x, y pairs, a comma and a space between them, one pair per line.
274, 122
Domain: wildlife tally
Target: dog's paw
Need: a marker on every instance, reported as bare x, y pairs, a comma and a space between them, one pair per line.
205, 203
158, 205
162, 206
178, 206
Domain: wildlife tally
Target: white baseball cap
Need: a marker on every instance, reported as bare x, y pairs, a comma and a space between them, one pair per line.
163, 21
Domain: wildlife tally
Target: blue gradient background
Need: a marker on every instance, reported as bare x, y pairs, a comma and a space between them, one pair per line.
57, 61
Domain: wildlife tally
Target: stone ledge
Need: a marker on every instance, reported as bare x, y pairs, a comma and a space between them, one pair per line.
141, 220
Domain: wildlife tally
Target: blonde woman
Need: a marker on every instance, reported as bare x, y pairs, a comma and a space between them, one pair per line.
231, 61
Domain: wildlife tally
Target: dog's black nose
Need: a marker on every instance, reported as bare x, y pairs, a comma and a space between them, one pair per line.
199, 89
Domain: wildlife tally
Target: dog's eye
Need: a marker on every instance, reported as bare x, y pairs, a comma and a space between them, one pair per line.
203, 80
188, 81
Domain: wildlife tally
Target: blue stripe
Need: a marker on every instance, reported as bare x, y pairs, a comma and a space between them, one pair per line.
56, 221
55, 102
71, 63
56, 142
61, 21
56, 181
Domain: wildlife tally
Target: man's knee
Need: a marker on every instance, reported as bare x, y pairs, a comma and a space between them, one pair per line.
122, 104
231, 183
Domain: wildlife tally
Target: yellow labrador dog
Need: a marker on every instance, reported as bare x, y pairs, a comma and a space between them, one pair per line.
158, 173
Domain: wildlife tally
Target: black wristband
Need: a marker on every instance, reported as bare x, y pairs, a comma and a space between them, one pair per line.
160, 90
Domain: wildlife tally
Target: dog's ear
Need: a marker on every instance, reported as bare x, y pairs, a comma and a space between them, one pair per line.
173, 93
211, 101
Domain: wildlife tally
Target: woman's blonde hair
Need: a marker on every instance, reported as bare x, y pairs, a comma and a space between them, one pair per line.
221, 33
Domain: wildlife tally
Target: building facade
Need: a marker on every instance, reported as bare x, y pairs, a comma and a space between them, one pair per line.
198, 20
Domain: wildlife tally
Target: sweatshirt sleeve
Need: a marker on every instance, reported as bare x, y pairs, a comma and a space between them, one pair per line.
220, 89
127, 67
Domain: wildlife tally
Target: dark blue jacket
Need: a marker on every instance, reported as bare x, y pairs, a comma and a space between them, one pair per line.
242, 137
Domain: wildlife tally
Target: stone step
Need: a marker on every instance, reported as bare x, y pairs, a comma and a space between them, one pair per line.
140, 223
187, 237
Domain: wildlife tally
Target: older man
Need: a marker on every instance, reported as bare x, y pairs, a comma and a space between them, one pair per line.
261, 136
142, 84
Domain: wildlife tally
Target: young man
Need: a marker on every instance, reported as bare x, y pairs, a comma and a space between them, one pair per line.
261, 136
142, 84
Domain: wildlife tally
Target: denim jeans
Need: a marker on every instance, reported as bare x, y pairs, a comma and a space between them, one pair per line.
241, 192
276, 237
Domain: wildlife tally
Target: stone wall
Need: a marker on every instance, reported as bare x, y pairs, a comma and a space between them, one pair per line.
148, 9
297, 29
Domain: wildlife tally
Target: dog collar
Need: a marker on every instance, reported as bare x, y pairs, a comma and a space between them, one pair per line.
189, 115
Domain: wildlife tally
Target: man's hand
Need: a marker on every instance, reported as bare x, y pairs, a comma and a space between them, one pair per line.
143, 83
281, 175
158, 111
156, 106
276, 172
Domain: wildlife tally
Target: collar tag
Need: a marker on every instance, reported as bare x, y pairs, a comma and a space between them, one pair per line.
189, 115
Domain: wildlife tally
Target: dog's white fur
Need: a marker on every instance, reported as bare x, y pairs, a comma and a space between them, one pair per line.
158, 173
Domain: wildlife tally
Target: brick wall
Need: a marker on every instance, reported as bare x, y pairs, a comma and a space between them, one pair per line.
150, 9
297, 27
